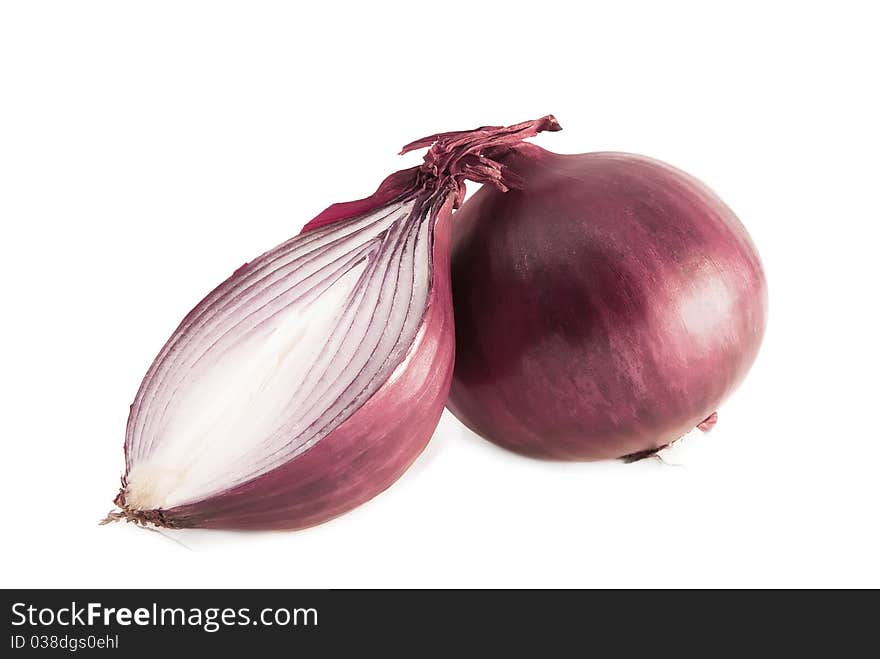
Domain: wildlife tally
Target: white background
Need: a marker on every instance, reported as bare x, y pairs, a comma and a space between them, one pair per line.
147, 149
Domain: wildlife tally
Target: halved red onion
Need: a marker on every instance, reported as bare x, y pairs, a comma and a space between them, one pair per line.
307, 382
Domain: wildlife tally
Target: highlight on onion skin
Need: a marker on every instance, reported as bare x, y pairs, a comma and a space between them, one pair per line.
307, 382
603, 310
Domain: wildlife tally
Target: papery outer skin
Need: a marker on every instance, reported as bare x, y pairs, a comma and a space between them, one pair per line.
366, 453
394, 186
606, 309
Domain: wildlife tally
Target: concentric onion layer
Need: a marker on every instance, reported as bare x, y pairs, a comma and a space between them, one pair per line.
280, 354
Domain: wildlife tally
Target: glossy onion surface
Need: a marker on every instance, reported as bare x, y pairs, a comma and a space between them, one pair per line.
603, 310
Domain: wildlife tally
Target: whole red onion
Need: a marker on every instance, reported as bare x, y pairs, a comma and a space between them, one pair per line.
602, 310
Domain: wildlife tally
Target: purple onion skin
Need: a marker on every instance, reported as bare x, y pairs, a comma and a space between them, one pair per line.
368, 452
604, 309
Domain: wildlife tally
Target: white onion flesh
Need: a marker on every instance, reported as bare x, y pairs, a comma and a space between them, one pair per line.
279, 355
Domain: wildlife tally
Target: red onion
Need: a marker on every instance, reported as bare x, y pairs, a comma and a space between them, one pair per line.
307, 382
603, 310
